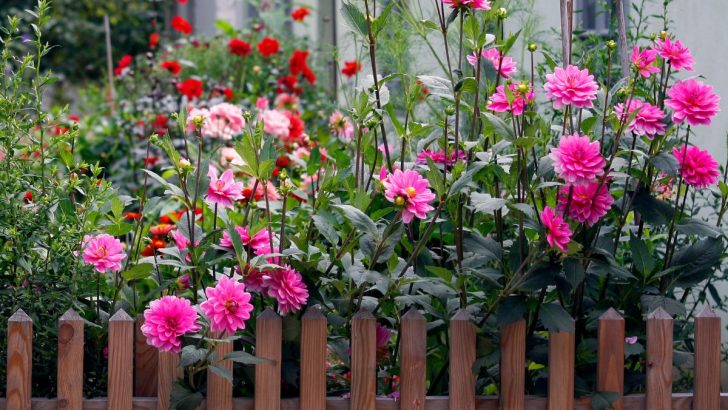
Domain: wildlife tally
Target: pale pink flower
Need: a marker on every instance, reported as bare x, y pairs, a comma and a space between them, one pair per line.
261, 191
104, 252
577, 160
193, 115
498, 101
677, 55
439, 157
286, 101
630, 340
587, 205
647, 121
571, 86
256, 241
223, 121
473, 4
254, 280
693, 101
409, 190
341, 127
644, 61
223, 191
167, 320
287, 287
276, 123
383, 335
229, 156
697, 167
559, 233
262, 103
227, 305
505, 68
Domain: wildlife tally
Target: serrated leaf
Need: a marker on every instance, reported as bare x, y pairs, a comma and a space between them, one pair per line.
555, 318
139, 271
359, 219
246, 358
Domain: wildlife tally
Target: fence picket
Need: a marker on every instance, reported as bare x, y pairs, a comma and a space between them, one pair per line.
268, 334
413, 366
363, 361
219, 389
561, 371
513, 366
70, 361
121, 361
659, 360
20, 361
169, 372
610, 362
462, 358
313, 360
707, 360
145, 363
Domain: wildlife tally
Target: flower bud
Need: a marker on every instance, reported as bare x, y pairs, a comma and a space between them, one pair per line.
198, 121
256, 69
611, 45
154, 139
532, 47
450, 110
663, 34
653, 37
522, 88
502, 13
372, 123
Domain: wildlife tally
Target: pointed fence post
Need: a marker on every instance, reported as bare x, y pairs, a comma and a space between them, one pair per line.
513, 366
268, 335
561, 370
659, 360
313, 360
20, 361
168, 373
146, 360
462, 358
413, 365
220, 389
363, 361
610, 362
121, 361
70, 361
707, 360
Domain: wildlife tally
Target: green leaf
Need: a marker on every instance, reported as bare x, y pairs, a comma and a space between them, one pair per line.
574, 271
498, 125
117, 207
326, 229
696, 227
466, 179
246, 358
555, 318
137, 272
222, 372
184, 398
225, 27
355, 18
511, 310
698, 261
666, 163
359, 219
604, 400
641, 256
119, 229
191, 355
486, 203
170, 188
653, 210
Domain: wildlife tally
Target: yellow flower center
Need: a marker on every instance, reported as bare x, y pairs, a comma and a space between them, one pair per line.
411, 192
399, 200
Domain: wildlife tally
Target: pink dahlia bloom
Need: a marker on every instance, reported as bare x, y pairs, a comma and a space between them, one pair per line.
409, 190
223, 191
194, 113
693, 101
181, 241
228, 156
571, 86
223, 121
577, 160
644, 61
439, 157
227, 305
254, 280
505, 68
677, 55
498, 101
697, 167
104, 252
559, 233
648, 120
287, 287
286, 101
473, 4
258, 240
383, 335
276, 123
340, 126
587, 204
167, 320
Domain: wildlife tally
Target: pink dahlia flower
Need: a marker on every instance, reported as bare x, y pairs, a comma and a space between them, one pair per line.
227, 305
167, 320
287, 287
104, 252
228, 156
409, 190
559, 233
587, 204
498, 101
697, 167
647, 121
644, 61
181, 241
383, 335
258, 240
439, 157
340, 126
571, 86
223, 191
223, 121
577, 160
254, 280
276, 123
693, 101
677, 55
473, 4
505, 68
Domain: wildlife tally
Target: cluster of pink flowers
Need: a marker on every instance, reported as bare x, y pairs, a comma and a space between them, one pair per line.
227, 306
647, 120
222, 121
440, 157
505, 66
341, 127
644, 61
407, 189
287, 287
588, 203
677, 55
499, 102
257, 241
571, 86
473, 4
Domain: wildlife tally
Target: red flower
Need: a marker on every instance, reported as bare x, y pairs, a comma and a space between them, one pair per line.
28, 198
172, 66
283, 161
74, 117
289, 84
132, 216
181, 1
180, 24
239, 47
351, 68
160, 124
268, 46
229, 95
162, 229
298, 66
124, 62
300, 13
151, 160
153, 40
296, 129
190, 88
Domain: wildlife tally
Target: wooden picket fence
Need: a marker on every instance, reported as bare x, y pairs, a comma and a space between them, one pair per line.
141, 378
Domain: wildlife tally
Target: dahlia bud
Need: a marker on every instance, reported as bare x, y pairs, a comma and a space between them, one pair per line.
198, 121
256, 69
450, 110
611, 45
183, 282
502, 13
532, 47
154, 139
185, 165
372, 123
663, 34
653, 37
522, 88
